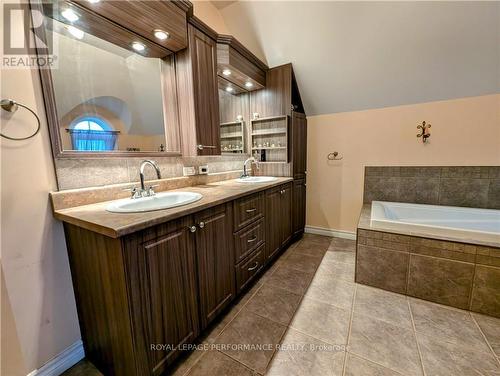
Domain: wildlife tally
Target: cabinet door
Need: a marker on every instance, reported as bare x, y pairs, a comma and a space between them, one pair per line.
299, 206
299, 145
273, 221
161, 274
206, 98
215, 256
286, 213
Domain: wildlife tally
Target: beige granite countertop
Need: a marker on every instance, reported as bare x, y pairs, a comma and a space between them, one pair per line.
94, 217
365, 223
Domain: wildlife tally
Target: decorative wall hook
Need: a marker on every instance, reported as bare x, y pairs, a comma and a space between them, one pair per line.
425, 131
334, 156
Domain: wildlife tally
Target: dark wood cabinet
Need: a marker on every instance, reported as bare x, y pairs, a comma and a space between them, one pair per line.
247, 270
299, 207
161, 268
163, 285
278, 218
249, 239
215, 256
198, 97
143, 17
298, 134
286, 214
243, 64
298, 141
247, 209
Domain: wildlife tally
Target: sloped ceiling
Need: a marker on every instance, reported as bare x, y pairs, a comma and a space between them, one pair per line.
351, 56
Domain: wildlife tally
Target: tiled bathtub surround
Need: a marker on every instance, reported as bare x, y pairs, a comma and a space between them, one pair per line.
477, 187
460, 275
83, 173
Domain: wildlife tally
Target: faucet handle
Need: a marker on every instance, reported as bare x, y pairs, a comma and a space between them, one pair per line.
133, 191
150, 191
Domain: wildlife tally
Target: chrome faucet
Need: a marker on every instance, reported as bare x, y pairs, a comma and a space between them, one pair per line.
251, 159
147, 192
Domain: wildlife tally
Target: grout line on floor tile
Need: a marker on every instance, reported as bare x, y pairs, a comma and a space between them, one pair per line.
349, 331
239, 362
484, 336
374, 362
415, 335
195, 363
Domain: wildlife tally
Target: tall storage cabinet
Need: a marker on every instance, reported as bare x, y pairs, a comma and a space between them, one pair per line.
281, 99
198, 96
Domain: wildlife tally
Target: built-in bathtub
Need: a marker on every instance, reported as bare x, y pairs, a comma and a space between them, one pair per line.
448, 255
478, 226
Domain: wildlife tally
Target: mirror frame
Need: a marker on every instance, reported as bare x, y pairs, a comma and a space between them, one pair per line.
51, 110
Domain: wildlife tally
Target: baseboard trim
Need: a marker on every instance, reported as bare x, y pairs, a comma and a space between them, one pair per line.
62, 362
330, 232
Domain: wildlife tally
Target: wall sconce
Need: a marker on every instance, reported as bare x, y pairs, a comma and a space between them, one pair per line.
425, 131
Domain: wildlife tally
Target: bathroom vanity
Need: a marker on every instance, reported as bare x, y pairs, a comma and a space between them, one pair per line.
161, 277
160, 84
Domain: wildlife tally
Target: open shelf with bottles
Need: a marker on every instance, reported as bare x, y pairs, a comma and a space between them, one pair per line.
232, 135
269, 138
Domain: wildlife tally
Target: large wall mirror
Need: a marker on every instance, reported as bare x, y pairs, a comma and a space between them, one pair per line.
106, 99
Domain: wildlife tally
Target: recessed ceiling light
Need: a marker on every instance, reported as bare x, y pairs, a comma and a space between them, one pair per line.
70, 15
248, 84
160, 34
77, 33
229, 89
93, 1
226, 72
138, 46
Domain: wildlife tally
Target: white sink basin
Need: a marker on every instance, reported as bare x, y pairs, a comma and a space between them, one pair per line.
256, 179
163, 200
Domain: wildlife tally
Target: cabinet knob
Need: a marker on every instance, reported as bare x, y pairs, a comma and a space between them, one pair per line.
201, 224
192, 228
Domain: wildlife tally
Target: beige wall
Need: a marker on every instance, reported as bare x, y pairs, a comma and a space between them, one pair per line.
11, 359
464, 132
33, 251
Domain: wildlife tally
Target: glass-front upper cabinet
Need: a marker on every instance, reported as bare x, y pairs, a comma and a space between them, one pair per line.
107, 98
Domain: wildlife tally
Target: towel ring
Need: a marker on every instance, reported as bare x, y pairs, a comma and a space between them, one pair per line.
11, 105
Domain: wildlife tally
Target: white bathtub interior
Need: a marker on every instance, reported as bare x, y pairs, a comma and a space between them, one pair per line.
447, 221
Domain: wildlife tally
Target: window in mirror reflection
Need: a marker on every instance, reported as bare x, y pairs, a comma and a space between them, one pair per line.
92, 134
110, 88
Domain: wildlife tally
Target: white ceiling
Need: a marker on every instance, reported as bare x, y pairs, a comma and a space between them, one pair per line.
360, 55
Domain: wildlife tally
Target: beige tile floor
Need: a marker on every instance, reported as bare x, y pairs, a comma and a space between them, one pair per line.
325, 324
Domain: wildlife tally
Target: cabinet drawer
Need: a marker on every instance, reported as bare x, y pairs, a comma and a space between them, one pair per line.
247, 209
249, 239
248, 269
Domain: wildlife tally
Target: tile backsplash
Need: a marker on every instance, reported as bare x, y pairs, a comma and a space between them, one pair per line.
84, 173
470, 186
